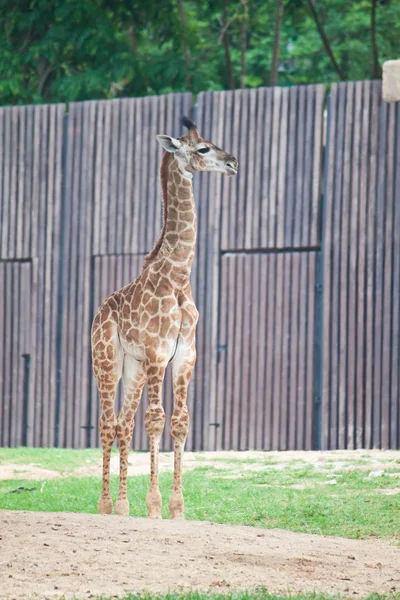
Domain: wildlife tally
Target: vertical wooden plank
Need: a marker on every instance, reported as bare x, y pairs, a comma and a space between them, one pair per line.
352, 392
12, 224
65, 283
202, 192
277, 350
231, 266
263, 294
244, 401
317, 168
362, 267
370, 257
213, 275
294, 420
395, 357
236, 151
27, 182
308, 154
281, 172
99, 107
80, 389
154, 204
310, 259
7, 345
387, 302
242, 177
21, 206
345, 336
122, 227
14, 354
2, 196
304, 302
284, 374
128, 191
270, 264
251, 199
105, 183
274, 182
380, 214
3, 355
299, 149
41, 414
223, 334
336, 435
291, 193
255, 343
137, 158
266, 168
48, 194
5, 222
328, 257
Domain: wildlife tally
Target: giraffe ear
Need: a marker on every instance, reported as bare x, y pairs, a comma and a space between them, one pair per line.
169, 143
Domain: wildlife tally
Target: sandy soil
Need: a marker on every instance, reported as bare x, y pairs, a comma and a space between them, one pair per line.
48, 555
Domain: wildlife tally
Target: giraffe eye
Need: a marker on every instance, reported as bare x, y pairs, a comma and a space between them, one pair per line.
203, 150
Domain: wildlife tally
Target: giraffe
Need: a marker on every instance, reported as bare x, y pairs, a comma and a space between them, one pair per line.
141, 328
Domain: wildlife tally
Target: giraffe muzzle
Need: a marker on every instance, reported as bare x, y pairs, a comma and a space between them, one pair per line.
232, 166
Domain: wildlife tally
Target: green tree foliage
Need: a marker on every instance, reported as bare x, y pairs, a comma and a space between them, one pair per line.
68, 50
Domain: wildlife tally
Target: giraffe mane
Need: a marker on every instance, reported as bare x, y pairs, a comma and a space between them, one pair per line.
166, 159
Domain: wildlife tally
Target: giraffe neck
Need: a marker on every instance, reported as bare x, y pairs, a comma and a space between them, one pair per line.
176, 245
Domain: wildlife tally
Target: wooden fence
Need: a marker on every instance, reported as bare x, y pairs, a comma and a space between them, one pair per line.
297, 272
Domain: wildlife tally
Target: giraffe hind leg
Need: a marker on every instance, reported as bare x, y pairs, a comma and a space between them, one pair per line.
107, 368
134, 378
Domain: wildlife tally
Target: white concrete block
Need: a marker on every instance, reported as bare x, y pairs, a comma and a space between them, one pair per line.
391, 81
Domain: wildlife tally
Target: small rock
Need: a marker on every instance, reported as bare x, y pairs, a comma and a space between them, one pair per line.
376, 473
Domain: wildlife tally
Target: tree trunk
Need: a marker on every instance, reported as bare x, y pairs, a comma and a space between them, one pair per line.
186, 51
243, 43
273, 80
325, 40
376, 69
227, 48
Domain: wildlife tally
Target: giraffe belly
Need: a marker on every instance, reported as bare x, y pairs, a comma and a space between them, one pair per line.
145, 343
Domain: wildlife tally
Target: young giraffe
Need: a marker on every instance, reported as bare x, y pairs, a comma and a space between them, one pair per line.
150, 322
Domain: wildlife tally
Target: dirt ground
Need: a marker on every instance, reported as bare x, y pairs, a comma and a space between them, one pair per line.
48, 555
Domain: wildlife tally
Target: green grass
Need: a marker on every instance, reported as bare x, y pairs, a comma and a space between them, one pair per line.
258, 594
61, 460
343, 503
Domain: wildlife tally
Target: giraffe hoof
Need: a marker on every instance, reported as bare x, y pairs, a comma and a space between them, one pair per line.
105, 506
176, 506
153, 503
177, 516
121, 507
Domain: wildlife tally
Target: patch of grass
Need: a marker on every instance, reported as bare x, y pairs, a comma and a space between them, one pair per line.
257, 594
62, 460
352, 507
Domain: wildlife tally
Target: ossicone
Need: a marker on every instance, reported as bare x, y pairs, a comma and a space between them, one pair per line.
186, 122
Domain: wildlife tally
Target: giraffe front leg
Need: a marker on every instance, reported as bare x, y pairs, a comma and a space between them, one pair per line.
154, 422
182, 369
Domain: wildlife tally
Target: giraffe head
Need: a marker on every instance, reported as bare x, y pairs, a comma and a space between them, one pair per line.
194, 153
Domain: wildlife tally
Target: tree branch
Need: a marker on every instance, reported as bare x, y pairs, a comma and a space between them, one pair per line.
325, 40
